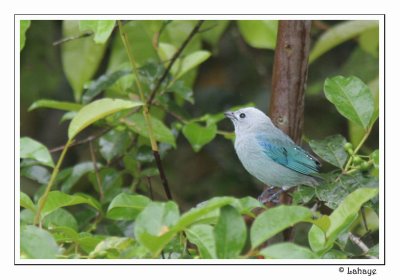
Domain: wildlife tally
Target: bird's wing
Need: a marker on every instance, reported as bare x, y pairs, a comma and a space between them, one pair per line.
289, 155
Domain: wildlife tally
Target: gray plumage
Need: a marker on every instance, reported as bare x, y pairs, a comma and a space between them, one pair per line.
269, 154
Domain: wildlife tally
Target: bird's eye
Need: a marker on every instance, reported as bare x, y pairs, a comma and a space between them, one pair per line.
242, 115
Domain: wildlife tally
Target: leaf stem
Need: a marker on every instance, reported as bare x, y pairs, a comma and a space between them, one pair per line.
43, 198
365, 137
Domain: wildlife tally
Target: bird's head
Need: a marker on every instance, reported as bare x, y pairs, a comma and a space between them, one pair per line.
247, 119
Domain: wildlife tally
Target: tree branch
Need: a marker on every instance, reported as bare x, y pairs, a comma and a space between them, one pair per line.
172, 61
288, 83
83, 141
357, 240
146, 112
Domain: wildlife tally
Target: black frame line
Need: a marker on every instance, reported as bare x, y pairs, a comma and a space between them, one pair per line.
223, 264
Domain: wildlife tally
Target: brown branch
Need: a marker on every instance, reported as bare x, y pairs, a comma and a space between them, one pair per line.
72, 38
162, 174
146, 112
288, 83
173, 59
83, 141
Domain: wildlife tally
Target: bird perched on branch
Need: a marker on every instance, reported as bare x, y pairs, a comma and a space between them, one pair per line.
269, 154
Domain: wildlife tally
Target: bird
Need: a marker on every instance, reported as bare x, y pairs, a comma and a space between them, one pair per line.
269, 154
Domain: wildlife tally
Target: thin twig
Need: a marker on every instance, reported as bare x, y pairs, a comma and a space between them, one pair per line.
364, 248
146, 113
79, 36
150, 187
157, 35
173, 59
83, 141
71, 38
96, 170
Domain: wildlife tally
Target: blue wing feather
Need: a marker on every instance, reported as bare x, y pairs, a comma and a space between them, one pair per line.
290, 155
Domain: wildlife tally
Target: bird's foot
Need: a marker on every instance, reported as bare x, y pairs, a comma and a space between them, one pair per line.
270, 195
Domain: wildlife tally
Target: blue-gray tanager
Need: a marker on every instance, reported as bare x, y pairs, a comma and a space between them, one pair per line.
269, 154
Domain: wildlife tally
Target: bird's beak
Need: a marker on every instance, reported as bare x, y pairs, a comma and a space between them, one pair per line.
230, 115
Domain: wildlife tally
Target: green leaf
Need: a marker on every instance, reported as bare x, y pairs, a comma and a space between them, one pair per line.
360, 64
23, 25
187, 63
213, 30
37, 173
74, 174
102, 83
161, 132
68, 116
140, 34
89, 242
201, 210
60, 218
144, 154
102, 29
303, 195
97, 110
26, 217
275, 220
340, 219
317, 239
80, 58
334, 192
166, 51
198, 135
230, 233
126, 207
32, 149
112, 247
182, 91
375, 158
331, 149
287, 250
369, 41
334, 254
356, 132
111, 181
322, 222
259, 33
374, 251
348, 208
247, 204
340, 33
153, 225
374, 87
203, 237
53, 104
64, 234
57, 199
114, 143
37, 243
26, 202
351, 97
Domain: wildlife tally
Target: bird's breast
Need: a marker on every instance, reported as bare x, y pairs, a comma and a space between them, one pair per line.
258, 164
